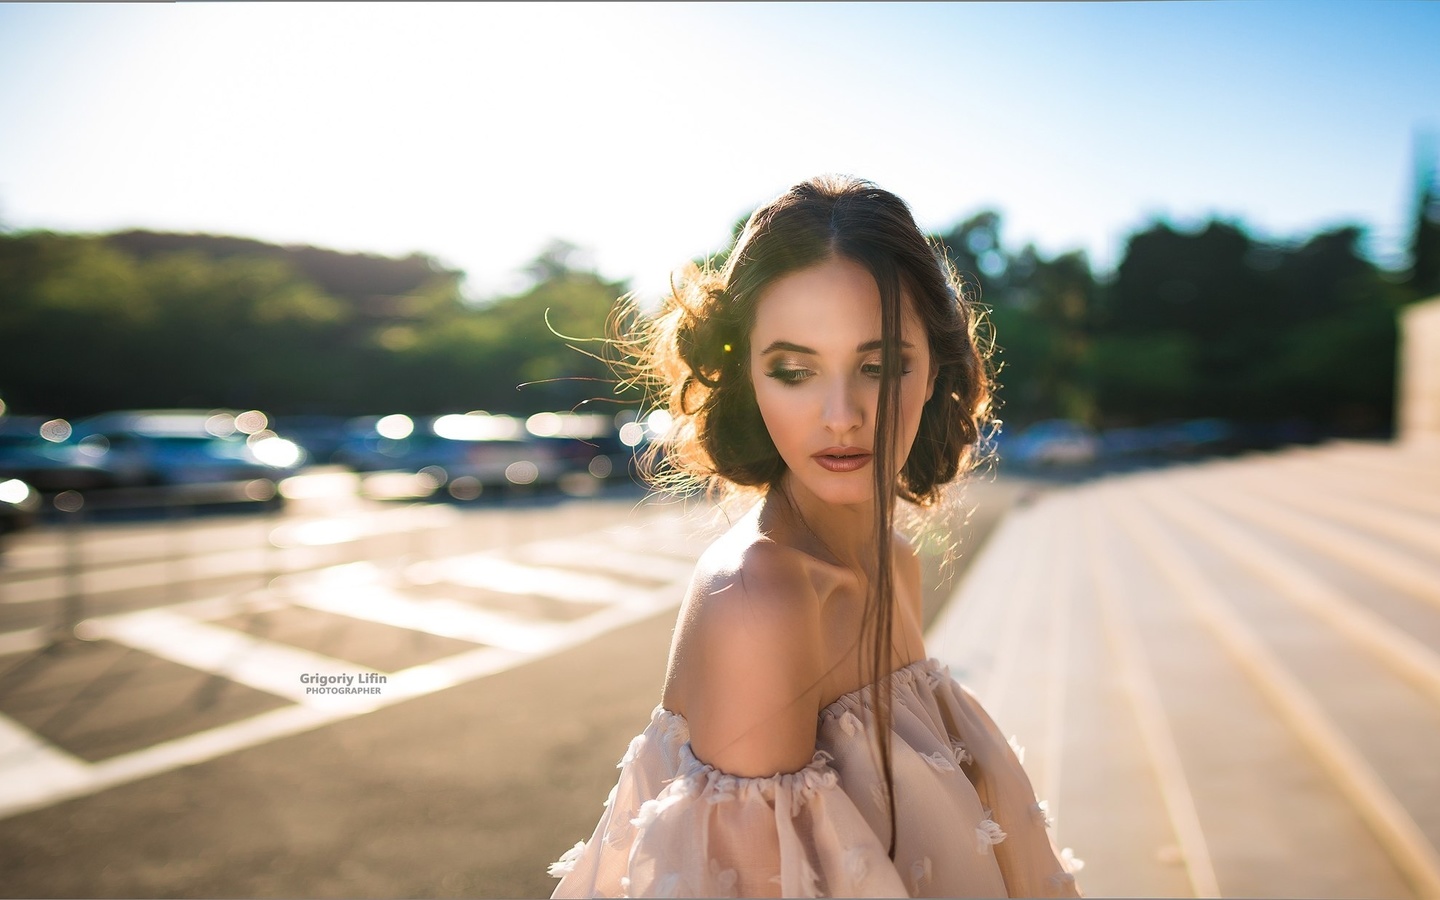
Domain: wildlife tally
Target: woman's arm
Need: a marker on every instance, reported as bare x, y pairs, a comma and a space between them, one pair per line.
747, 669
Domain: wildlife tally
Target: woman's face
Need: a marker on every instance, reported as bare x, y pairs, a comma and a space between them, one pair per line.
815, 364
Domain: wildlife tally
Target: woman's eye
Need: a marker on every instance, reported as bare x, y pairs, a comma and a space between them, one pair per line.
874, 370
789, 376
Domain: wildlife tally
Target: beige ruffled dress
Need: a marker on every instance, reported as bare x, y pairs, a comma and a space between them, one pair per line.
967, 818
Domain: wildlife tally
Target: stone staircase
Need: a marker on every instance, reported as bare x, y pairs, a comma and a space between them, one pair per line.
1226, 675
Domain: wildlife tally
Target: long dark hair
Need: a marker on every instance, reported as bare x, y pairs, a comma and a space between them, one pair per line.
694, 356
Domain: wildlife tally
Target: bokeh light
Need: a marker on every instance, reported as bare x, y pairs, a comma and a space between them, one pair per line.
395, 427
56, 430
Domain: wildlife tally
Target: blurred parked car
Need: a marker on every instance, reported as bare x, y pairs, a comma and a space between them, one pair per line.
1171, 440
459, 451
319, 435
1131, 443
587, 443
1203, 437
170, 447
38, 451
16, 431
1053, 442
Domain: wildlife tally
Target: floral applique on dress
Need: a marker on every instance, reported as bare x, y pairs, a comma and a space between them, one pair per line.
971, 824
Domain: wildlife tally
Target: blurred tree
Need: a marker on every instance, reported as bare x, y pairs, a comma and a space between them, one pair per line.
1064, 293
88, 327
1198, 285
1198, 323
1040, 309
975, 250
235, 332
67, 308
372, 285
1334, 361
1424, 275
519, 354
558, 259
147, 319
1142, 378
1215, 323
1042, 328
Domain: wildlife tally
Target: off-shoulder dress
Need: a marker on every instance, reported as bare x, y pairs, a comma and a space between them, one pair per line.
968, 822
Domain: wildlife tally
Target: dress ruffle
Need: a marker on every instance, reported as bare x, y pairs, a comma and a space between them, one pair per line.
677, 827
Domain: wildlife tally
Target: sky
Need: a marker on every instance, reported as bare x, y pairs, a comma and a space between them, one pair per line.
478, 133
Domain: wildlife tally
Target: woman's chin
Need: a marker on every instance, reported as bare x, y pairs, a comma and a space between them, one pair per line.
838, 489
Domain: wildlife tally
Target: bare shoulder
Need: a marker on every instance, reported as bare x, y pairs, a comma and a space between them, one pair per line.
754, 578
746, 662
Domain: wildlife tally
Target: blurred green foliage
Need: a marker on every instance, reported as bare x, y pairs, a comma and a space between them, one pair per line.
1192, 323
1209, 322
137, 320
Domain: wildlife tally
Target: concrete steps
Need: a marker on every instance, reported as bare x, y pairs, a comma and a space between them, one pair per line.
1227, 676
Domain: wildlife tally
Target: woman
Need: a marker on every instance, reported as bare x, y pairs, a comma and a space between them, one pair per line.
830, 367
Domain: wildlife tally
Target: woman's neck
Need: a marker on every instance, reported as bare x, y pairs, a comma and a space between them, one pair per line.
841, 534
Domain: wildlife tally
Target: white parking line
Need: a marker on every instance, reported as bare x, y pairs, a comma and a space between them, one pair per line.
254, 662
111, 579
17, 797
32, 769
23, 640
493, 573
36, 774
326, 530
359, 591
60, 782
589, 554
672, 534
294, 545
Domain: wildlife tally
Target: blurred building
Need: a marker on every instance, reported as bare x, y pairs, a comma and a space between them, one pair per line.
1418, 407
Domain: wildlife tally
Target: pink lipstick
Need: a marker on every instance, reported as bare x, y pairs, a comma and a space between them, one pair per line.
842, 459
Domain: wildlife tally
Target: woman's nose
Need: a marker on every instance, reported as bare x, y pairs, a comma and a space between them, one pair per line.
843, 410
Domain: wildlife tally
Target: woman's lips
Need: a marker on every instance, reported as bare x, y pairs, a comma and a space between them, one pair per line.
842, 459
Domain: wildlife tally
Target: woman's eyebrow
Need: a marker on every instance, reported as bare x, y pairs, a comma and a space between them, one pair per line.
797, 348
875, 345
787, 345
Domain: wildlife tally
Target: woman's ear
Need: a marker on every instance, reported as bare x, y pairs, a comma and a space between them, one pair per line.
930, 384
